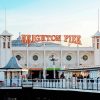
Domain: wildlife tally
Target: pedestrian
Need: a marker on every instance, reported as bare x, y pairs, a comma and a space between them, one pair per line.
62, 76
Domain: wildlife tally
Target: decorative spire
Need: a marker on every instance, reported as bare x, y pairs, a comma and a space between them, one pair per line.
19, 37
97, 33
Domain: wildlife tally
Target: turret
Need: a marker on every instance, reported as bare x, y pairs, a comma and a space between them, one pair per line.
5, 48
96, 45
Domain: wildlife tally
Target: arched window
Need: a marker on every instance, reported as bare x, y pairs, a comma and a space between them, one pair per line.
8, 44
4, 45
35, 57
68, 57
18, 57
85, 57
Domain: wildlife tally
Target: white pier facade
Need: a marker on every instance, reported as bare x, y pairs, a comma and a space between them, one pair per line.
46, 62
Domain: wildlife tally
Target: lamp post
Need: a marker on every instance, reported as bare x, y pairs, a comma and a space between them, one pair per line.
53, 60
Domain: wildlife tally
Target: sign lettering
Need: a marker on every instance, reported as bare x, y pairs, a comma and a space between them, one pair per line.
76, 39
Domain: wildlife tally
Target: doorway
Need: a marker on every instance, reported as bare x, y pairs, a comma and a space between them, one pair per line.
33, 74
50, 74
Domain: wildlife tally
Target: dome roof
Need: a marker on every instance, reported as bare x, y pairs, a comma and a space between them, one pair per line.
5, 33
19, 43
96, 34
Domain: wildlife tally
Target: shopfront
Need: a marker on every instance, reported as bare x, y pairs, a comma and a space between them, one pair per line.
35, 73
51, 71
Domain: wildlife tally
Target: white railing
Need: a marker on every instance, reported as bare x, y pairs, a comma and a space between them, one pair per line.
71, 83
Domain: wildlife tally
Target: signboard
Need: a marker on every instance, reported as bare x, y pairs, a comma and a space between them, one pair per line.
27, 39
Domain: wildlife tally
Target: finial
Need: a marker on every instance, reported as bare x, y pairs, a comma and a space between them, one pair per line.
19, 37
19, 34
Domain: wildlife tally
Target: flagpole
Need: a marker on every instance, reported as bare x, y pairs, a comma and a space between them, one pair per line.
5, 19
98, 19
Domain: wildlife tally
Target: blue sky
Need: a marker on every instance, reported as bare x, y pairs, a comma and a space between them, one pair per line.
51, 17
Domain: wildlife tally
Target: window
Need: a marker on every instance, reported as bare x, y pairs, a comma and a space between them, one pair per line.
97, 45
35, 57
85, 57
8, 44
97, 40
8, 38
4, 38
68, 57
18, 57
4, 45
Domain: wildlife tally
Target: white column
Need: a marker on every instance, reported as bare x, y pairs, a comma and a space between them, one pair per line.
44, 67
78, 56
54, 71
6, 50
27, 54
61, 56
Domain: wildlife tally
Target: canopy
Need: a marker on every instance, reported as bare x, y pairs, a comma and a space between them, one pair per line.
12, 64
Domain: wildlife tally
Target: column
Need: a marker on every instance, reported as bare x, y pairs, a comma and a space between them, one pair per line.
44, 66
27, 55
61, 57
78, 56
6, 50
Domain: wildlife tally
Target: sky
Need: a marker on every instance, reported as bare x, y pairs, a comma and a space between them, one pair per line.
63, 17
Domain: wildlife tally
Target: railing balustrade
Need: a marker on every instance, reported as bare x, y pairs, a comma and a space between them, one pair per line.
71, 83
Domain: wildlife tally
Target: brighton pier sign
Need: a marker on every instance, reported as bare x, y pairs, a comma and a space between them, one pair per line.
27, 39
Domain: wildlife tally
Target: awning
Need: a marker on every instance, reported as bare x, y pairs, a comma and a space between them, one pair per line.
12, 70
50, 69
25, 69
